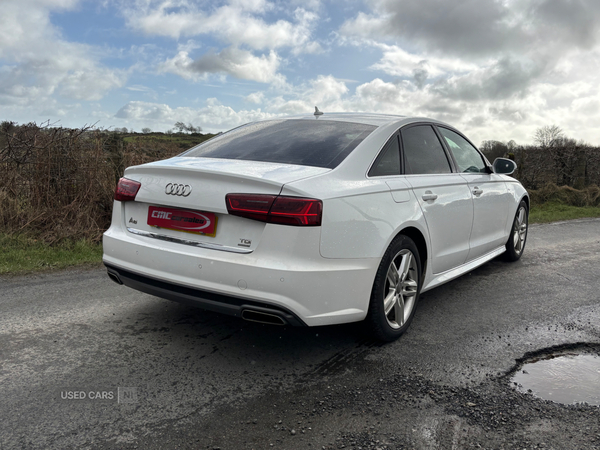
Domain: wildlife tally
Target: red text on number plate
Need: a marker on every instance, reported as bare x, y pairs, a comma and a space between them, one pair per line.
178, 219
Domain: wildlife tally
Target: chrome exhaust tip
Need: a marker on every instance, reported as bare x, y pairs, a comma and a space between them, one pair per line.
263, 317
115, 277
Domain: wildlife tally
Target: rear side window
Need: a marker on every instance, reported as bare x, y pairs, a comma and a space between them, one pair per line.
423, 152
318, 143
388, 161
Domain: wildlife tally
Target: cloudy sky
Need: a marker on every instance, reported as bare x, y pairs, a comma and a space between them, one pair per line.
496, 69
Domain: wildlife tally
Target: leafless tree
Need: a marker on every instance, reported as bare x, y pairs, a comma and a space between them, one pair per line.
181, 127
566, 156
494, 149
548, 136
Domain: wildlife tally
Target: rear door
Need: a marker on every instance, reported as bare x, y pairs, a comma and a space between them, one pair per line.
444, 196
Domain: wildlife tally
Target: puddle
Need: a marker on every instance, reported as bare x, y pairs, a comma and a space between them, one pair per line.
567, 378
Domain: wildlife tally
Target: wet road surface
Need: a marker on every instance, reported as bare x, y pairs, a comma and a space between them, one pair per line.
156, 374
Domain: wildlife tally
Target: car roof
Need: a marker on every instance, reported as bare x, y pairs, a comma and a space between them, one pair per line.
359, 117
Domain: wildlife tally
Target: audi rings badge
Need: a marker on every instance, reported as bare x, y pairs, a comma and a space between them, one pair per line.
182, 190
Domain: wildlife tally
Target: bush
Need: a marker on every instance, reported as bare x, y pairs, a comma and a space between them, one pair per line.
58, 183
589, 196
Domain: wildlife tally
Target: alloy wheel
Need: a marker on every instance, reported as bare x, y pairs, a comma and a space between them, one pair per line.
520, 230
401, 288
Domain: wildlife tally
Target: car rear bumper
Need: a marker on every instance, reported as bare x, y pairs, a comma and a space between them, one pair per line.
210, 301
294, 284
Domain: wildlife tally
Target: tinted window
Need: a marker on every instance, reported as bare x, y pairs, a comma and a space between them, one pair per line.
467, 157
319, 143
423, 152
388, 161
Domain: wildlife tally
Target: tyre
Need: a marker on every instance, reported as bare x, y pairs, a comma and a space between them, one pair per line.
518, 235
395, 290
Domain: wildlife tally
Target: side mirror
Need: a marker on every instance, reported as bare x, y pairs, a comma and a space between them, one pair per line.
504, 166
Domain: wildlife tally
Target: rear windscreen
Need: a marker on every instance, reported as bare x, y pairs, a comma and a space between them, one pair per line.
318, 143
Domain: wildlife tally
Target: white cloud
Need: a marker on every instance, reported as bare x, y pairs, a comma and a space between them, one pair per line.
325, 92
399, 62
232, 61
38, 62
575, 108
259, 6
325, 89
478, 28
214, 117
237, 23
90, 83
497, 69
252, 38
500, 67
379, 95
22, 23
256, 97
454, 36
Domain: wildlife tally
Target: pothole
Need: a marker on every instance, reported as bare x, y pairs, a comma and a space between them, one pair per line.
568, 377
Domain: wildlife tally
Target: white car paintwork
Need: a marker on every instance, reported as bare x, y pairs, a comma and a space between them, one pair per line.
268, 274
449, 217
490, 200
219, 177
323, 275
400, 189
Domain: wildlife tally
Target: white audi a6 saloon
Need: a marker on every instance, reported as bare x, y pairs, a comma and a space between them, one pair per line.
316, 220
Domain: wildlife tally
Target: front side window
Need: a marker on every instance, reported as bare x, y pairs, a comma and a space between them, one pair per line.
319, 143
467, 157
423, 151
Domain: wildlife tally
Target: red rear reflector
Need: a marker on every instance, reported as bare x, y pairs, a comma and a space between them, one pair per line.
294, 211
127, 190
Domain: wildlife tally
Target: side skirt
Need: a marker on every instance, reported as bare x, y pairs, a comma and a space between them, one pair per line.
444, 277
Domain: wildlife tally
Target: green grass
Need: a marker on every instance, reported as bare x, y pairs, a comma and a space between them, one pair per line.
555, 212
22, 254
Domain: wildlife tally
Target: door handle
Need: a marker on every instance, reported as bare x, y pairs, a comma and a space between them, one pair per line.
477, 192
428, 195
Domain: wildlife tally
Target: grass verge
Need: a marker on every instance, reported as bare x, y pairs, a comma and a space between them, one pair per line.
21, 254
555, 212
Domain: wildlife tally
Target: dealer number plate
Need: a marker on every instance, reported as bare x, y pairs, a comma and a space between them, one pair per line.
198, 222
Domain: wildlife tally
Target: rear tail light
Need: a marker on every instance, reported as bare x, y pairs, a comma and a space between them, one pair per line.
127, 190
296, 211
293, 211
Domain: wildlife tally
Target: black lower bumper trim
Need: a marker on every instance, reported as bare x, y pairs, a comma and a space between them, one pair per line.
210, 301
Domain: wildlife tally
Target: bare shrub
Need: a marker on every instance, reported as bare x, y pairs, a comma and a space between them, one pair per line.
534, 166
58, 183
590, 196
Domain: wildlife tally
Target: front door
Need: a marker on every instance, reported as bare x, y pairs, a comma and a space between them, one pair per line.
490, 195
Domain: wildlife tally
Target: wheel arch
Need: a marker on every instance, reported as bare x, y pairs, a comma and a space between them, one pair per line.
419, 240
527, 201
406, 286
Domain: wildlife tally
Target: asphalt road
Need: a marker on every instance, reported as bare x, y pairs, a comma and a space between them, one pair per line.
156, 374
